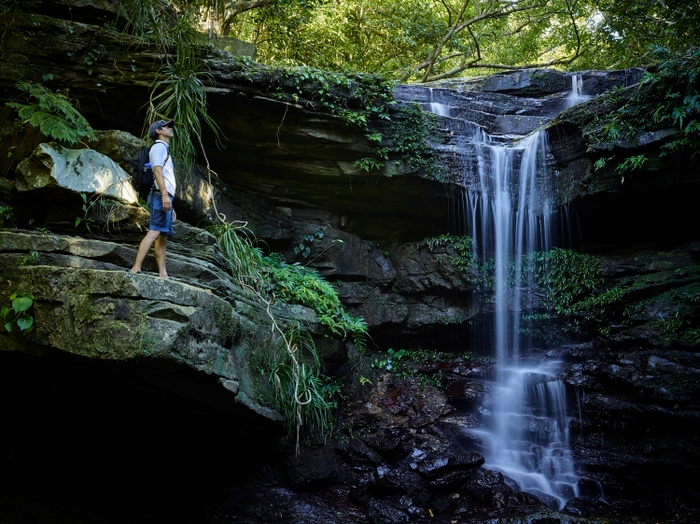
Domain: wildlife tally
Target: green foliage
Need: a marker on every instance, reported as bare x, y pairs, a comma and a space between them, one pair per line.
422, 364
179, 90
357, 99
600, 163
630, 163
94, 54
272, 276
368, 164
53, 114
301, 285
30, 259
565, 276
678, 80
85, 221
18, 5
302, 393
5, 214
304, 247
107, 210
410, 136
407, 41
18, 313
595, 303
245, 257
669, 92
624, 30
180, 94
465, 258
676, 318
389, 363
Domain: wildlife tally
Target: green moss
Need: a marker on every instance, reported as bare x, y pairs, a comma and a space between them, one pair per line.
228, 326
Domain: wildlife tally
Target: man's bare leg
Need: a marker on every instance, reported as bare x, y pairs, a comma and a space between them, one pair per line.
160, 256
144, 248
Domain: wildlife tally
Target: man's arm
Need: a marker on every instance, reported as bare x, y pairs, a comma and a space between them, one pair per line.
158, 175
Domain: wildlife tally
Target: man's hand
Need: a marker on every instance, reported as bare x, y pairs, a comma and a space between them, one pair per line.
167, 203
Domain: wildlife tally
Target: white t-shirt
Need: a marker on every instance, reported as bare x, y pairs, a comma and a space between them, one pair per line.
159, 156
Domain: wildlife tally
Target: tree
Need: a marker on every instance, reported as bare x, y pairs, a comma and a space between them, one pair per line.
472, 25
424, 40
225, 12
448, 37
627, 30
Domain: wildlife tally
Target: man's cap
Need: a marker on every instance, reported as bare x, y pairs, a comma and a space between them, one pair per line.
158, 124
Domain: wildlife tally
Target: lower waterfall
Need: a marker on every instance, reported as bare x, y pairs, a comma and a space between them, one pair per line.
510, 215
525, 433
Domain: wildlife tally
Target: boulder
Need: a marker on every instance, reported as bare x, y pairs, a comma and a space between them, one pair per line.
52, 166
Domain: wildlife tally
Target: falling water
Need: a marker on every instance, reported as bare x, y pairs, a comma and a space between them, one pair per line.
509, 213
527, 435
576, 95
438, 108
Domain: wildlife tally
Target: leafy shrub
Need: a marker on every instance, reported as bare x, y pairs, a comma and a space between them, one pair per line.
566, 277
300, 285
669, 93
53, 114
5, 214
302, 392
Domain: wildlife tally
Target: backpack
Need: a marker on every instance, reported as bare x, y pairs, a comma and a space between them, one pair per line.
142, 179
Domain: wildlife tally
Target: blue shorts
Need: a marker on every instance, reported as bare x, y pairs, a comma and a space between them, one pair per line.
160, 220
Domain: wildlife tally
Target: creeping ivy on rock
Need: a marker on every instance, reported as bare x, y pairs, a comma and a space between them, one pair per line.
17, 313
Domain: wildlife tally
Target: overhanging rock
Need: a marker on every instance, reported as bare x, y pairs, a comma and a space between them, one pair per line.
116, 316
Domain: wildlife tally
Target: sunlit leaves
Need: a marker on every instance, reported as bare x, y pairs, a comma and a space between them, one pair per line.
412, 39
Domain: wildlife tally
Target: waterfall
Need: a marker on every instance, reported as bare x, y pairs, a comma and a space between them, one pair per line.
438, 108
526, 434
509, 214
576, 95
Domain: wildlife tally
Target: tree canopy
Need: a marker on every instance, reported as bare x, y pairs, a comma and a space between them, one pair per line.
423, 40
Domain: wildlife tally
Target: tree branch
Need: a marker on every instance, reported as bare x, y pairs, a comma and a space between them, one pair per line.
460, 25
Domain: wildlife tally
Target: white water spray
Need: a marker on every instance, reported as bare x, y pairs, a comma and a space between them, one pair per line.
437, 107
576, 95
527, 436
509, 213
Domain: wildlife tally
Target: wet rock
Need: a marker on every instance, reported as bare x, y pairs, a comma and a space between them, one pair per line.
434, 465
380, 512
397, 480
408, 402
313, 467
465, 389
388, 441
357, 453
535, 82
449, 479
488, 488
586, 507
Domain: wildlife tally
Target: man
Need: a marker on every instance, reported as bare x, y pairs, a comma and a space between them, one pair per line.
160, 199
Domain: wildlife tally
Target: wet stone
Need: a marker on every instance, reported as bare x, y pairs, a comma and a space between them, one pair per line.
433, 465
398, 480
380, 512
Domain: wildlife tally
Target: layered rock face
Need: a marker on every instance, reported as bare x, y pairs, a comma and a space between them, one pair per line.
162, 364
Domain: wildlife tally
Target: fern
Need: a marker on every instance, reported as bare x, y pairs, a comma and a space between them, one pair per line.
53, 114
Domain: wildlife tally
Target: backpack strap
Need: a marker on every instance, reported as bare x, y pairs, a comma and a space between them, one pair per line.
167, 150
